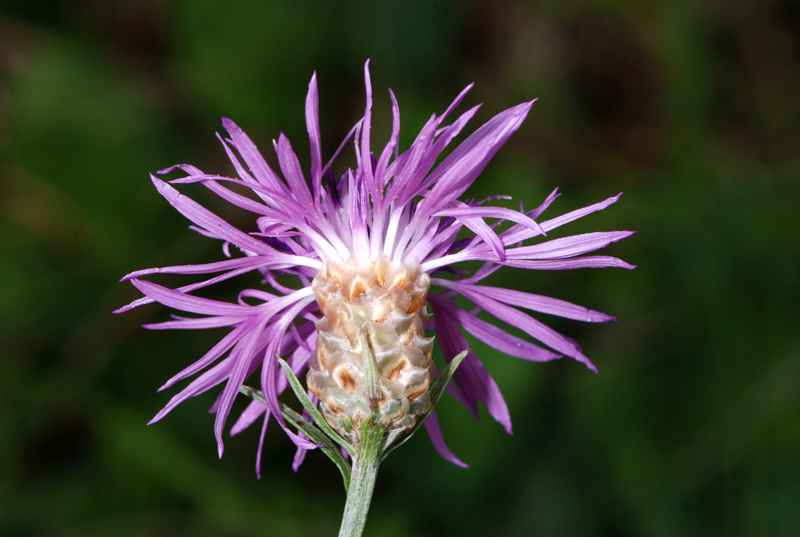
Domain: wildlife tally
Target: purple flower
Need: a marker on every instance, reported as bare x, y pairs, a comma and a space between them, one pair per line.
399, 206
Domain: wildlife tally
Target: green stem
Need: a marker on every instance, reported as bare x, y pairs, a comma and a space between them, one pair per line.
362, 480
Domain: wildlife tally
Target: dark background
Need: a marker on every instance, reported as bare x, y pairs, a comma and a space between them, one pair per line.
692, 427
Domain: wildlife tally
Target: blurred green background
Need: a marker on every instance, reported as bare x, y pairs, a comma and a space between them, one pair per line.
692, 427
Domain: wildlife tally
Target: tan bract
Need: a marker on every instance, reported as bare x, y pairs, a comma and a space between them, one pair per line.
372, 356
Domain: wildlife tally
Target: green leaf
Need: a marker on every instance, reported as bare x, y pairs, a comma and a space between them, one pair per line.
328, 448
315, 414
297, 421
440, 383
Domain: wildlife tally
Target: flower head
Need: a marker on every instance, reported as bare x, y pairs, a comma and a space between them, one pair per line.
363, 251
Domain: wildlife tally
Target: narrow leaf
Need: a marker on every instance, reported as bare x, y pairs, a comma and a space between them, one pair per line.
315, 414
310, 430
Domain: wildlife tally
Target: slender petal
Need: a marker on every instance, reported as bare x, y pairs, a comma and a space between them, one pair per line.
435, 434
501, 340
242, 357
254, 410
529, 301
531, 326
209, 221
314, 138
247, 149
472, 379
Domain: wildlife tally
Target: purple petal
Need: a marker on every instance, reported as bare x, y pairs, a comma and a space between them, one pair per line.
208, 220
579, 213
464, 164
237, 165
201, 384
270, 370
391, 147
272, 198
291, 169
493, 212
242, 355
540, 303
456, 101
501, 340
595, 261
488, 391
314, 138
407, 178
237, 199
482, 230
442, 141
222, 346
568, 246
299, 457
219, 266
516, 234
252, 156
202, 323
541, 254
193, 304
471, 377
452, 342
435, 434
300, 454
254, 410
528, 324
537, 212
188, 288
261, 444
366, 133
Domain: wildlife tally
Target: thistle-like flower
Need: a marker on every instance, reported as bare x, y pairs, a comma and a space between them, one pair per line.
347, 267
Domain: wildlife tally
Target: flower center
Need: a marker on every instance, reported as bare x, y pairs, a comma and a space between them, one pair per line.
372, 356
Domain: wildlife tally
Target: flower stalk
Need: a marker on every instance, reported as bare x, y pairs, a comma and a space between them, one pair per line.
362, 479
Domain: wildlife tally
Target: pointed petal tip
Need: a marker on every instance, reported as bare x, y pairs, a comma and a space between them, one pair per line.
218, 428
159, 184
166, 170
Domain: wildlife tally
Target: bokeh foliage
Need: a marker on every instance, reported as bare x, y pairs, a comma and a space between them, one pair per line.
692, 427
